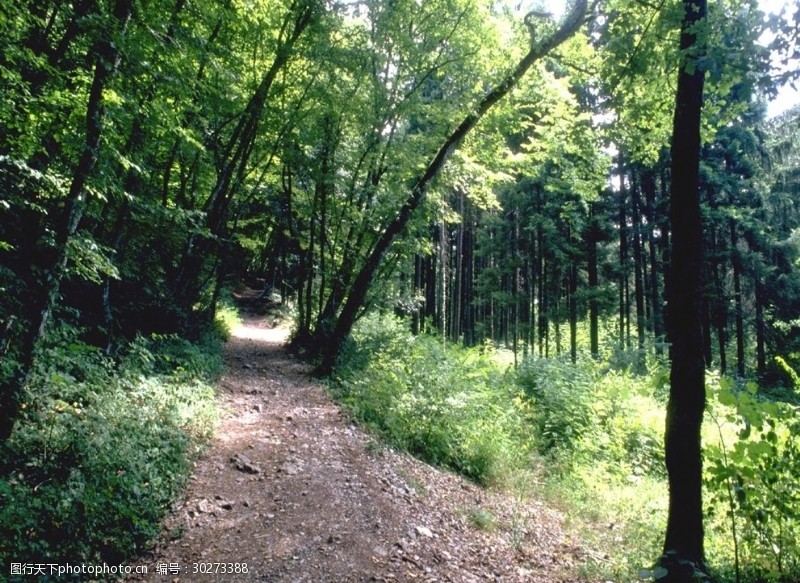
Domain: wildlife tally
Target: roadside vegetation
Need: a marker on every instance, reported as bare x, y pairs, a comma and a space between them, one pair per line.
104, 444
589, 437
497, 174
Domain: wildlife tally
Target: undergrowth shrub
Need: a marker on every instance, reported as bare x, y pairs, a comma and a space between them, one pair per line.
226, 317
561, 394
451, 406
753, 496
585, 412
600, 431
102, 447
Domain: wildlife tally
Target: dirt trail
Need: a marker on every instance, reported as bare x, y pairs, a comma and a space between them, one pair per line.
298, 493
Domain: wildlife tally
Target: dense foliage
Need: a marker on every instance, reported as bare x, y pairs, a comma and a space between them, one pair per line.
452, 407
591, 436
496, 175
103, 446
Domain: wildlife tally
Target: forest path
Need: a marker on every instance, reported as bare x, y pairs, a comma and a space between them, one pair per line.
294, 490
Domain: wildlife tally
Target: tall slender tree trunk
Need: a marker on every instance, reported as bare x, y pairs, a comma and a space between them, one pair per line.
442, 281
573, 313
638, 275
665, 241
649, 187
623, 259
736, 260
594, 312
761, 355
532, 280
544, 307
683, 541
457, 328
708, 299
705, 318
418, 287
721, 320
558, 284
431, 266
468, 269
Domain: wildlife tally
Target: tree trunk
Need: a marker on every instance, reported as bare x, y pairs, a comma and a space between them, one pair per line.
467, 269
623, 259
761, 355
683, 542
649, 187
531, 275
594, 311
638, 275
429, 315
544, 302
418, 288
573, 313
736, 260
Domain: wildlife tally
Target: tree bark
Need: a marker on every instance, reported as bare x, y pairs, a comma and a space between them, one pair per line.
683, 555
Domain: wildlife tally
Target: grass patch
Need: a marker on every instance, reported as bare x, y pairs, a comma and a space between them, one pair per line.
482, 519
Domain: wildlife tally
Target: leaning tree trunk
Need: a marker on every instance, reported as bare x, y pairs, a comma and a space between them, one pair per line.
358, 290
683, 557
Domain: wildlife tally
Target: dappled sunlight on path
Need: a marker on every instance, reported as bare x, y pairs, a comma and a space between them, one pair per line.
249, 331
292, 491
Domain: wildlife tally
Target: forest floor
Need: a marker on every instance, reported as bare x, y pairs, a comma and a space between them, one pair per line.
292, 488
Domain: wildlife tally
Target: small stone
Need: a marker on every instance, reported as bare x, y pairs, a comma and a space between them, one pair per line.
289, 468
243, 464
380, 551
424, 531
